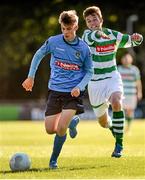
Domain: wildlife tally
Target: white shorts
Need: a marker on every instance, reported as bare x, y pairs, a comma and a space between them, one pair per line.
129, 102
100, 92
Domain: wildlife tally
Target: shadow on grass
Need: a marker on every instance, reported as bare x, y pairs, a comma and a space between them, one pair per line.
30, 170
47, 169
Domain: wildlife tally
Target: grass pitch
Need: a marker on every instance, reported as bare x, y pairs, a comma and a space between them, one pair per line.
86, 157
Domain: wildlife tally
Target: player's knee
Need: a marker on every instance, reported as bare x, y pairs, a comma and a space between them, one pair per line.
116, 101
116, 105
61, 131
49, 131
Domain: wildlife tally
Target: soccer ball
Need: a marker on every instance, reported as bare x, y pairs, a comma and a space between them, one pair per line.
20, 162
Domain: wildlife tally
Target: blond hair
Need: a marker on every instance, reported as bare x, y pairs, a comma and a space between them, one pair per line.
68, 17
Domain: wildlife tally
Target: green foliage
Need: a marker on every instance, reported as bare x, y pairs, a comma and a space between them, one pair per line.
26, 25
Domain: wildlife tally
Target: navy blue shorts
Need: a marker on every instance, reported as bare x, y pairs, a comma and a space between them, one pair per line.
57, 101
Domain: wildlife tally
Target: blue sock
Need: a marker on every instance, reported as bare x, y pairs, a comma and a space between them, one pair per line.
58, 143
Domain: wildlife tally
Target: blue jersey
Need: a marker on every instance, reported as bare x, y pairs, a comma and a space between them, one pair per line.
71, 64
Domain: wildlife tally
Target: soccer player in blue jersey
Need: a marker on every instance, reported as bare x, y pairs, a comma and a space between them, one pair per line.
71, 70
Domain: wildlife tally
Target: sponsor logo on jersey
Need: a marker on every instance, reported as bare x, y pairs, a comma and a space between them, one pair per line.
105, 48
67, 66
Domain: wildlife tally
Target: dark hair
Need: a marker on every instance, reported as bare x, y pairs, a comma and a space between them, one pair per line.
92, 10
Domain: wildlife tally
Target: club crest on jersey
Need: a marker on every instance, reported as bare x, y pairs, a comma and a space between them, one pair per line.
77, 54
105, 48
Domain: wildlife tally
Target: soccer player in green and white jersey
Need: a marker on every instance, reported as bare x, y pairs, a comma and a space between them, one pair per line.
132, 86
106, 85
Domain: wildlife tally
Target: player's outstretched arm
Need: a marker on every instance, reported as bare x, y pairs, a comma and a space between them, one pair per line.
28, 84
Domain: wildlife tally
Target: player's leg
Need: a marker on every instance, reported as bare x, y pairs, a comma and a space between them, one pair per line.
105, 121
77, 104
103, 117
53, 114
129, 105
129, 116
51, 124
73, 126
60, 137
98, 95
117, 122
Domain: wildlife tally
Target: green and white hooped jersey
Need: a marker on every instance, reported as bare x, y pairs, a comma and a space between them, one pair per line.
104, 50
129, 75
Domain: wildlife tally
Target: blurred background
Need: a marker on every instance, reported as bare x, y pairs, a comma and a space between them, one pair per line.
25, 25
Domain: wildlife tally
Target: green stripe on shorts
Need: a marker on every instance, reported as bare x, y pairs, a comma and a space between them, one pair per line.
97, 106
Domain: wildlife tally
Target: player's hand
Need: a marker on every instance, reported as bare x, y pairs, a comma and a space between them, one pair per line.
102, 34
75, 92
28, 84
136, 37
